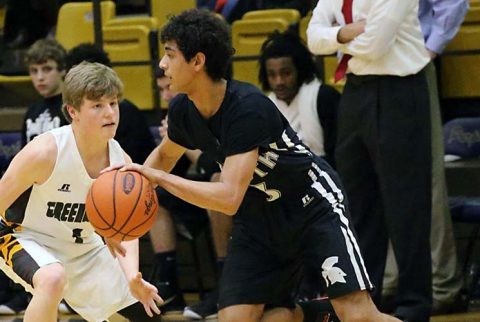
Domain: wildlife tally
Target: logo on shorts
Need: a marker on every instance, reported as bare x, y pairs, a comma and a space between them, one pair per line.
306, 200
64, 188
332, 274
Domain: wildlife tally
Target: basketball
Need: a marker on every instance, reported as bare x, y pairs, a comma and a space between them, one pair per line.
121, 205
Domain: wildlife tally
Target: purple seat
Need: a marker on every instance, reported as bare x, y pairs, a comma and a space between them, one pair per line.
10, 144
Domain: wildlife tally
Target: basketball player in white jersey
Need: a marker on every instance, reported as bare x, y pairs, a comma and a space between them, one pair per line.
46, 242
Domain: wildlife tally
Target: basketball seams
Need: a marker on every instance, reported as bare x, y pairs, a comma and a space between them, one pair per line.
139, 194
154, 211
109, 226
128, 210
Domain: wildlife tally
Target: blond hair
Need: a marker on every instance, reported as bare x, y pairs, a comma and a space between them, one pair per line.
91, 81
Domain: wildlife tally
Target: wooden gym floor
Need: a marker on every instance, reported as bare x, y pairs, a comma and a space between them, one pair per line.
192, 298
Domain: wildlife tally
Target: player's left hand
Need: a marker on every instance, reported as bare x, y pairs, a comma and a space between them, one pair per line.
146, 293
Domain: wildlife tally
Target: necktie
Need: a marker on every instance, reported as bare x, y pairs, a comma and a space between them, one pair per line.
219, 5
343, 65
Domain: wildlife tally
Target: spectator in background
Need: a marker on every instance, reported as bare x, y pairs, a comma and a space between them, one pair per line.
45, 61
133, 133
288, 71
383, 151
440, 21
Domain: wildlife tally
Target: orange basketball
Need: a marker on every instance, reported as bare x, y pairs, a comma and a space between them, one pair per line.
121, 205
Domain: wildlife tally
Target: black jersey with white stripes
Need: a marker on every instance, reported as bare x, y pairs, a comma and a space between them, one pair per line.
246, 120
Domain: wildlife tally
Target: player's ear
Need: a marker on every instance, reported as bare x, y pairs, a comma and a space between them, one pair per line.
71, 111
199, 60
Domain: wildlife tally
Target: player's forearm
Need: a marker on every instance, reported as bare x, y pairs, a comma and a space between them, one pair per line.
160, 159
129, 263
217, 196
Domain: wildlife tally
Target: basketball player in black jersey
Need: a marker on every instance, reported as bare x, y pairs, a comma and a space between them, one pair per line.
288, 206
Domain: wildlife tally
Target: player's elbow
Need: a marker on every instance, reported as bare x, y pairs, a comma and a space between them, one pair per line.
232, 205
231, 209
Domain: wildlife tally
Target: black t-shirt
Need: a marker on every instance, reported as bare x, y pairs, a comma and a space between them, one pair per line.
247, 119
133, 133
43, 116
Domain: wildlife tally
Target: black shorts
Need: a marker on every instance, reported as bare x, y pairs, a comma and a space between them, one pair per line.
271, 242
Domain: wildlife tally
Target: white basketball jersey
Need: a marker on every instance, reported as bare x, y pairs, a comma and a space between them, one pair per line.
56, 208
53, 227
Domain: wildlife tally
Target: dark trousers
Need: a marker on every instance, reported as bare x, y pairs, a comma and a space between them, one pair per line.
383, 157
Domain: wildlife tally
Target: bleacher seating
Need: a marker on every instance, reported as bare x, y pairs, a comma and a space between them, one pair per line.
10, 144
17, 91
163, 9
292, 16
133, 50
460, 65
248, 35
75, 22
473, 15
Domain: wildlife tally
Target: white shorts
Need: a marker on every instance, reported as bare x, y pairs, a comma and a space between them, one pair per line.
96, 286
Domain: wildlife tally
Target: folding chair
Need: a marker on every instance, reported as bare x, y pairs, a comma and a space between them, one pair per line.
75, 22
460, 65
163, 9
248, 35
292, 16
133, 50
462, 149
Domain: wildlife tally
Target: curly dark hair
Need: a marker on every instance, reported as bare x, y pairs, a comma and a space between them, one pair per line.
287, 44
197, 30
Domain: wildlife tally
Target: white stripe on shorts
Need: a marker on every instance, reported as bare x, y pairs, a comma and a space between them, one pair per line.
350, 240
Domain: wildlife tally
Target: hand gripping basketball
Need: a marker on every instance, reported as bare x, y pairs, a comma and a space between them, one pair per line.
121, 205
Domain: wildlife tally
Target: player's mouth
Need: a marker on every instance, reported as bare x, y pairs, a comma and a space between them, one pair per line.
109, 124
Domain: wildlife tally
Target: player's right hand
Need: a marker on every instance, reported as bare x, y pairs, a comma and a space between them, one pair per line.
146, 293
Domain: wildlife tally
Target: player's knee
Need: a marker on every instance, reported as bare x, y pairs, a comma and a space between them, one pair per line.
360, 314
240, 313
356, 316
51, 279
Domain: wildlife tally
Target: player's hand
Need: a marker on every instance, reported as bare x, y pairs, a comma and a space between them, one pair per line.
153, 175
163, 127
146, 293
115, 247
112, 167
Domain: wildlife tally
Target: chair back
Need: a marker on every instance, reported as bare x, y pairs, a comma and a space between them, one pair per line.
461, 137
163, 9
460, 65
248, 35
133, 55
473, 15
292, 16
303, 25
10, 144
75, 22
